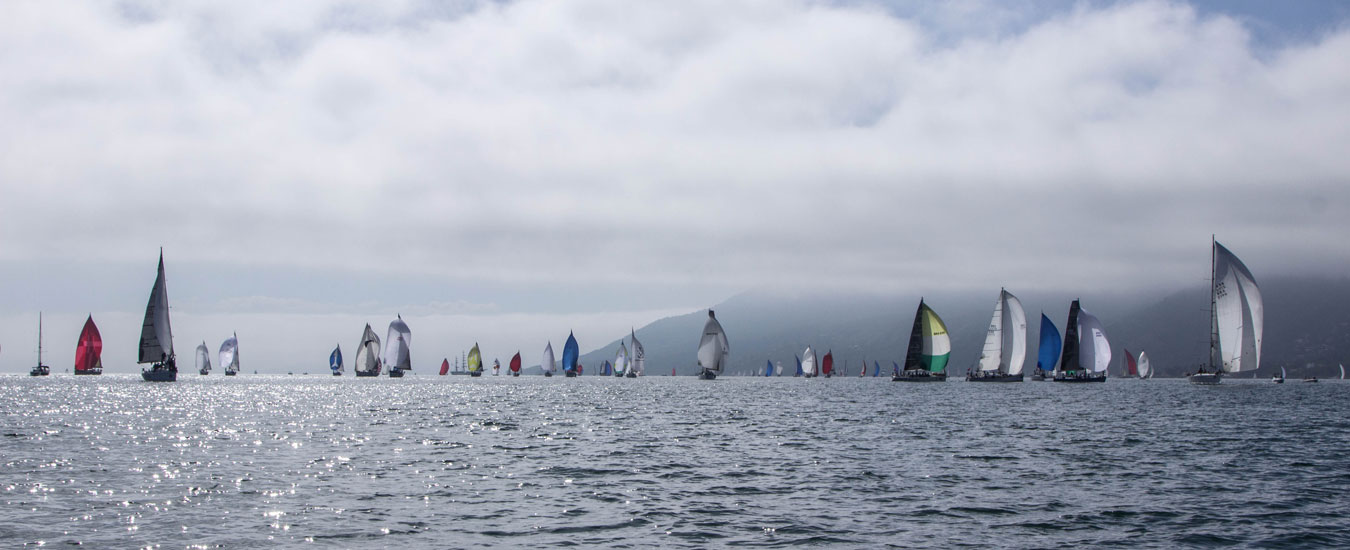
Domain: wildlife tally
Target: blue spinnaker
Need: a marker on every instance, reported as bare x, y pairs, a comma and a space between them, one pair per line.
768, 367
876, 369
1050, 345
335, 360
570, 353
799, 366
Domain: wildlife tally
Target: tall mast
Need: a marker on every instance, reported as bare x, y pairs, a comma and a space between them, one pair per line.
39, 338
1213, 322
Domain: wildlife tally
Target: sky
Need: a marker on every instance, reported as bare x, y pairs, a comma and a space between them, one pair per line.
504, 172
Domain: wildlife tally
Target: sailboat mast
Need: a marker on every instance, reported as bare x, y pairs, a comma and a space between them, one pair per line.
1213, 321
39, 338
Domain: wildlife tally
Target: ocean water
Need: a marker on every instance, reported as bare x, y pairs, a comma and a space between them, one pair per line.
455, 462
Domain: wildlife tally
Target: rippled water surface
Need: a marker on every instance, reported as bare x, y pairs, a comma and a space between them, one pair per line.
455, 462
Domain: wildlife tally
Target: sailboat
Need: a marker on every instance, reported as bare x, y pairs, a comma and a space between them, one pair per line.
496, 367
1129, 367
570, 354
1145, 368
445, 365
1047, 356
807, 365
621, 365
475, 361
548, 365
1087, 353
768, 367
637, 360
1279, 379
607, 369
40, 369
368, 354
203, 359
335, 360
929, 348
1236, 317
713, 349
862, 372
827, 364
398, 356
1342, 366
515, 365
1005, 345
876, 369
229, 355
800, 373
89, 349
156, 345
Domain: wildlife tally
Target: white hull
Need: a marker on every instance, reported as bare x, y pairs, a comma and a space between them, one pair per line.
1206, 378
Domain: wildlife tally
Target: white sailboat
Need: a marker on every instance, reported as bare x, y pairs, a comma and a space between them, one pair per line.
637, 359
809, 362
156, 345
621, 360
1005, 345
229, 355
398, 354
713, 349
1342, 371
549, 365
1279, 379
203, 359
368, 354
1145, 368
1087, 353
1237, 316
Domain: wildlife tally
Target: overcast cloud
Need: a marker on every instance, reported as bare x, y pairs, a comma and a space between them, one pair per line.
526, 167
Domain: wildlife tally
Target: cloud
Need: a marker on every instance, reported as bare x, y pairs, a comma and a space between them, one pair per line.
715, 146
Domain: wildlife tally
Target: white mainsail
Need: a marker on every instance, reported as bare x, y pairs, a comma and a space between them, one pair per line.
368, 353
1342, 371
156, 335
638, 356
621, 365
229, 354
809, 362
1239, 314
1145, 369
398, 353
777, 368
549, 364
1005, 345
1094, 351
203, 358
713, 347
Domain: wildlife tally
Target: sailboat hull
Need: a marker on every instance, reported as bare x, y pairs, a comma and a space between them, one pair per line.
570, 374
1083, 379
1206, 378
396, 373
88, 372
707, 375
630, 375
40, 370
161, 375
475, 374
994, 378
924, 376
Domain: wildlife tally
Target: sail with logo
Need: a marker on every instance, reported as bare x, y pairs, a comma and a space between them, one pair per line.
1237, 318
335, 360
929, 348
637, 357
713, 349
1005, 345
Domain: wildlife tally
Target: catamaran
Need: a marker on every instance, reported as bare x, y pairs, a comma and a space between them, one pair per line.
548, 365
335, 360
475, 361
1236, 318
1087, 353
229, 355
515, 365
203, 359
1005, 345
156, 345
398, 356
713, 349
806, 366
637, 358
368, 354
89, 349
1145, 368
40, 369
929, 348
570, 354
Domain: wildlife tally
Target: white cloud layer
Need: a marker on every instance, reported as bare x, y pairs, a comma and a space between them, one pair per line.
720, 145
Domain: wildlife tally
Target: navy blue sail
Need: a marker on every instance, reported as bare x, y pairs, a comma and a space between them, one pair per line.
768, 367
335, 361
876, 369
1050, 345
570, 354
799, 366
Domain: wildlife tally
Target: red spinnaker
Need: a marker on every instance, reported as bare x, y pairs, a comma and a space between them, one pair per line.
515, 363
89, 349
1130, 365
827, 364
445, 366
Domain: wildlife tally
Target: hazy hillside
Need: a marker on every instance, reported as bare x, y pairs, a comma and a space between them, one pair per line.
1307, 328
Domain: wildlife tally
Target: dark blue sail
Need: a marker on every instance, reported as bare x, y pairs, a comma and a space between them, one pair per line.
335, 360
876, 369
606, 369
768, 368
1050, 344
799, 366
570, 354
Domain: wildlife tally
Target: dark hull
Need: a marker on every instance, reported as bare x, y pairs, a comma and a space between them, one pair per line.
707, 375
475, 374
1037, 377
40, 370
939, 377
204, 372
571, 374
337, 374
515, 374
233, 373
396, 373
1080, 380
162, 375
372, 374
90, 372
548, 375
630, 375
996, 378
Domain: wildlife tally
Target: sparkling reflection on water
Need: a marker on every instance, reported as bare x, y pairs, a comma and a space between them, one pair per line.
600, 462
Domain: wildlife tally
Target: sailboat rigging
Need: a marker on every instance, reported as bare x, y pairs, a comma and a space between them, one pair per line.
203, 359
40, 369
368, 354
1236, 315
929, 348
713, 349
1005, 345
156, 344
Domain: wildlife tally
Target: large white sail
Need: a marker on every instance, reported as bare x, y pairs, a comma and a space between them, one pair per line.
621, 360
397, 354
1014, 354
713, 347
229, 354
156, 335
368, 353
1239, 315
203, 358
1145, 368
991, 355
549, 364
809, 362
638, 357
1094, 351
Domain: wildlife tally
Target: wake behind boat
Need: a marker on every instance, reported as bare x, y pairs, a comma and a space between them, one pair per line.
156, 344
